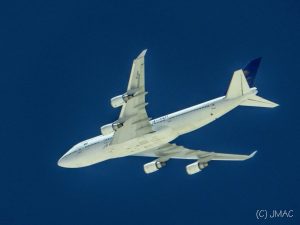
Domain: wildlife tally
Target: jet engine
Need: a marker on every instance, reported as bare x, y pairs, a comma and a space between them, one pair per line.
120, 100
153, 166
110, 128
195, 167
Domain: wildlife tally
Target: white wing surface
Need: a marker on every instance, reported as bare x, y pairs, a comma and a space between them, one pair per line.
133, 114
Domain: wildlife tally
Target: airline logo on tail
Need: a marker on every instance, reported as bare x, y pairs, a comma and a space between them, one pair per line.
242, 84
250, 71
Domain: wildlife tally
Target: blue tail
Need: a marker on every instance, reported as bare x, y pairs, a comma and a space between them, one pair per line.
250, 71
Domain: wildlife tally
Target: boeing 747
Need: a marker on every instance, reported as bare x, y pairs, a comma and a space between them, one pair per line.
135, 134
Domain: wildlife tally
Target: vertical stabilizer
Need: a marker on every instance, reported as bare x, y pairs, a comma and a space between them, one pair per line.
250, 71
238, 85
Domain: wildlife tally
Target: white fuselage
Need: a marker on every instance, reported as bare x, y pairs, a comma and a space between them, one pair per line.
166, 129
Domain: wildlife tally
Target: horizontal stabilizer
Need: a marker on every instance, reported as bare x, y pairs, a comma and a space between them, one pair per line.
256, 101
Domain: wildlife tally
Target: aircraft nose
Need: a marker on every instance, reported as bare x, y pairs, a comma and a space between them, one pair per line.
61, 162
68, 160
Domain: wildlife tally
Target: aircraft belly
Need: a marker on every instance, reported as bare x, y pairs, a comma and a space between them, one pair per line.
143, 143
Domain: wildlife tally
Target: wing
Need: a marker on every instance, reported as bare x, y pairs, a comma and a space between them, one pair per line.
168, 151
133, 114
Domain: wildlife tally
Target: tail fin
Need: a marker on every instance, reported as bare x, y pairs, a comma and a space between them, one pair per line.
241, 84
250, 71
238, 85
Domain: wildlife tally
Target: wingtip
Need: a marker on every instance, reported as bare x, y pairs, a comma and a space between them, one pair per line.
252, 154
276, 104
142, 54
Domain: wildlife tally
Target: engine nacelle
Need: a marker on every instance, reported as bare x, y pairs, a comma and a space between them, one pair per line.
153, 166
195, 167
120, 100
110, 128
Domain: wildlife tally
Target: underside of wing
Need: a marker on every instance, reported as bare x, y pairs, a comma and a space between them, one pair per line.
173, 151
133, 116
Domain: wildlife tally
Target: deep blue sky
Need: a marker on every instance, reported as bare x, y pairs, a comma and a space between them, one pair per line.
62, 61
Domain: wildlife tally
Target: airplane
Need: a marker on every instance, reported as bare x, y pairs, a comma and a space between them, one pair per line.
136, 134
